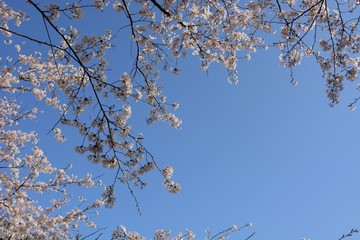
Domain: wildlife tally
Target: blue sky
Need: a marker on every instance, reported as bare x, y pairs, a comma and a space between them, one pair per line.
261, 151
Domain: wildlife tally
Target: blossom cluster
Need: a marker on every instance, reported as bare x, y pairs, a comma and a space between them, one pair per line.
24, 173
121, 233
336, 50
71, 77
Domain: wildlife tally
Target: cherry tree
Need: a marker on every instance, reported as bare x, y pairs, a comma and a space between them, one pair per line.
21, 216
65, 66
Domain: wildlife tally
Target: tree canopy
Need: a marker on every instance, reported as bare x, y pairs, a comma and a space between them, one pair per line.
50, 55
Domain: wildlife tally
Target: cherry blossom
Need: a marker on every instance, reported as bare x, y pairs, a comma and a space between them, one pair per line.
66, 69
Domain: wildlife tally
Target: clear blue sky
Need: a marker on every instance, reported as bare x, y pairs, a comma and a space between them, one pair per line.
261, 151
